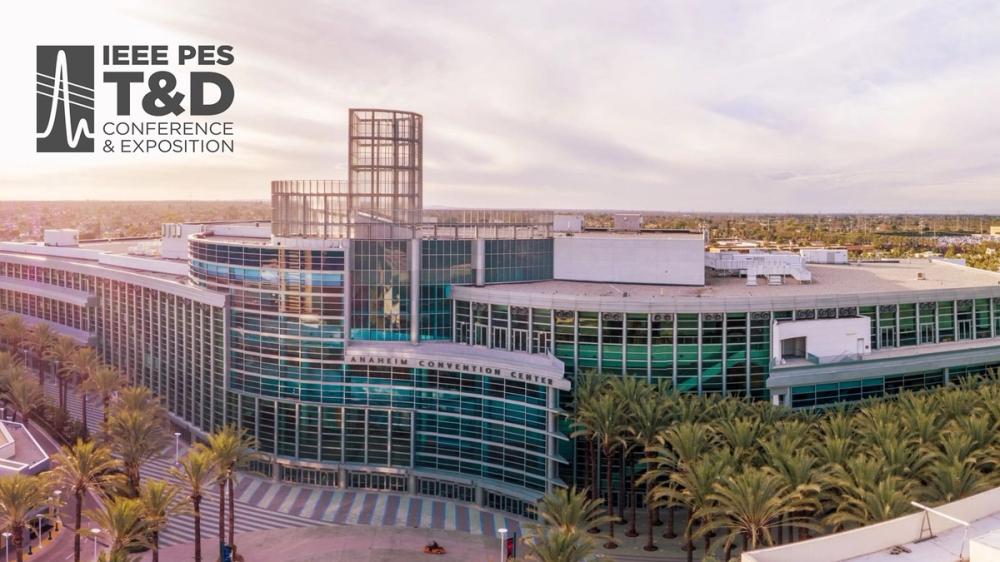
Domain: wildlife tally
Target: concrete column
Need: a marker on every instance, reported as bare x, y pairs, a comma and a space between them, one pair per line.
415, 290
347, 291
479, 260
341, 478
412, 483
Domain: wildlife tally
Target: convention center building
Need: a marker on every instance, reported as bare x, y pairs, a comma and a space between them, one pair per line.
369, 343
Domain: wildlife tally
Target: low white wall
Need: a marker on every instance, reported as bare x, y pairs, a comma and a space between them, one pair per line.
630, 259
875, 538
831, 337
145, 264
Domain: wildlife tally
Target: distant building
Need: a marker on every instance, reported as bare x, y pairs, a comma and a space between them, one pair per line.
995, 230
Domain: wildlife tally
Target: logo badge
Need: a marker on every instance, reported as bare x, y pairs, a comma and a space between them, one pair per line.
64, 107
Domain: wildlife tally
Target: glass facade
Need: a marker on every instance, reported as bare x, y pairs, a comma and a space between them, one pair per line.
443, 263
380, 294
510, 261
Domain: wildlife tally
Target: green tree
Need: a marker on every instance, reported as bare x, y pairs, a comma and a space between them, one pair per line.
83, 363
83, 468
231, 448
196, 470
137, 437
124, 520
25, 396
751, 505
104, 382
20, 497
160, 501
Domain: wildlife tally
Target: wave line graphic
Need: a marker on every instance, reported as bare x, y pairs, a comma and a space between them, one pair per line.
88, 97
73, 84
62, 84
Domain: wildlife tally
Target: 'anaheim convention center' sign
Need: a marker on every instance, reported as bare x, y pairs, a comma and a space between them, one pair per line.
451, 365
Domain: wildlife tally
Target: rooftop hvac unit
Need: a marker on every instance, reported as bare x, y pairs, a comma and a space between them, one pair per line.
631, 222
62, 237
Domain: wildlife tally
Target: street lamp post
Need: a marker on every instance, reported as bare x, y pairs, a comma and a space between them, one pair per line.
55, 506
177, 447
6, 547
503, 544
96, 532
39, 531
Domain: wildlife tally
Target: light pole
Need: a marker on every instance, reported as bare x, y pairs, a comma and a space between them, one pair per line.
39, 531
96, 532
6, 547
56, 508
503, 544
177, 447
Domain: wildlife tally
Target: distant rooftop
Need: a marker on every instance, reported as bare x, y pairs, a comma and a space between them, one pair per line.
859, 278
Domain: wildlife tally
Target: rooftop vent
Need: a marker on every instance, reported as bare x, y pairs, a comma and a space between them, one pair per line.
921, 276
629, 222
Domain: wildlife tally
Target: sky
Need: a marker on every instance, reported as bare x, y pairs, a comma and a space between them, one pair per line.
700, 105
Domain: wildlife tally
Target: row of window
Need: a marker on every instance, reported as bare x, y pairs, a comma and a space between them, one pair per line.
808, 396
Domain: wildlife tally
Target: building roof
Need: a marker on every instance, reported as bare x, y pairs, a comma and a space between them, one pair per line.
903, 539
832, 285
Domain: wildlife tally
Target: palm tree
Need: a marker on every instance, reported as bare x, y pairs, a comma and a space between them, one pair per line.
12, 331
160, 501
682, 443
608, 422
231, 448
137, 437
124, 520
20, 497
691, 487
39, 340
139, 398
569, 509
629, 391
25, 395
650, 419
555, 544
751, 505
83, 468
948, 480
83, 363
796, 468
196, 470
873, 502
589, 386
59, 354
104, 383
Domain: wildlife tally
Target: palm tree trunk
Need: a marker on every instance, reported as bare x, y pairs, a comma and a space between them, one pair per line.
632, 532
586, 471
611, 512
105, 400
222, 514
76, 526
232, 507
669, 533
649, 525
596, 491
156, 546
83, 403
18, 540
621, 486
196, 503
689, 544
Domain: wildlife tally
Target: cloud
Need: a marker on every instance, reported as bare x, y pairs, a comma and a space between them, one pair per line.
841, 106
